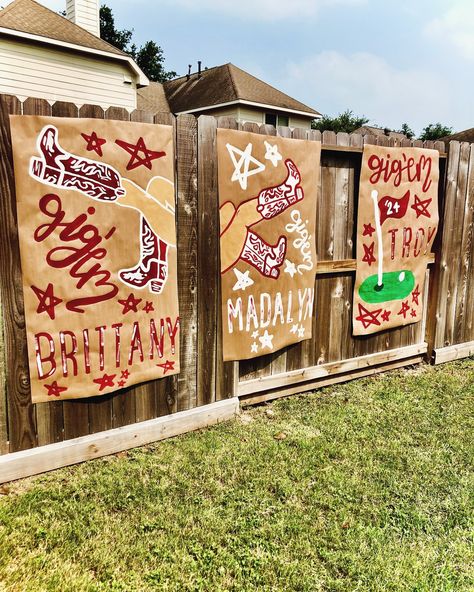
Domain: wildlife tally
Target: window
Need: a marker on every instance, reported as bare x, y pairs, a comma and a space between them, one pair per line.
274, 119
271, 119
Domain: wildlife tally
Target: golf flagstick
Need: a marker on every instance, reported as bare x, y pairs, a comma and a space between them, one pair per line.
374, 195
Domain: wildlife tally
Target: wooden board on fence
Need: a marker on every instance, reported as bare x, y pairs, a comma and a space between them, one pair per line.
208, 263
21, 416
186, 218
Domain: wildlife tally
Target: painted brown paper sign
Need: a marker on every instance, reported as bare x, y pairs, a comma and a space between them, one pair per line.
396, 226
95, 202
267, 199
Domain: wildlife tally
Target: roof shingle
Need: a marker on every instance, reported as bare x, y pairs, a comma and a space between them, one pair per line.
33, 18
152, 98
464, 136
225, 84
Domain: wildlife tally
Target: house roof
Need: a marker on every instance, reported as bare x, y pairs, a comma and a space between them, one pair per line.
152, 98
228, 84
464, 136
33, 18
379, 131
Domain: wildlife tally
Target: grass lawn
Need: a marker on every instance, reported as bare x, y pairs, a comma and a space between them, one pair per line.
367, 486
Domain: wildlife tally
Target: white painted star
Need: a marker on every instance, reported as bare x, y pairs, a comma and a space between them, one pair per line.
266, 340
242, 170
290, 267
255, 335
243, 280
294, 328
272, 153
301, 331
254, 348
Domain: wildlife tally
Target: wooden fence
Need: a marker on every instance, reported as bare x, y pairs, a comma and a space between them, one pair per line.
332, 354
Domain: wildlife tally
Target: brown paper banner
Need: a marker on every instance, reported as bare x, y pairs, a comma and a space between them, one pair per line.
267, 199
396, 226
95, 202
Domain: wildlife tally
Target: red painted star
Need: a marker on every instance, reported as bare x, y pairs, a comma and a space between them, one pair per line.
124, 374
130, 303
168, 365
105, 381
148, 307
386, 315
415, 294
413, 313
94, 143
121, 383
367, 317
421, 207
47, 300
369, 254
404, 309
136, 160
368, 230
54, 390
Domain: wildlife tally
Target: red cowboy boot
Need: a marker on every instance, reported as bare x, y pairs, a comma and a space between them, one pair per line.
64, 170
274, 200
264, 257
152, 269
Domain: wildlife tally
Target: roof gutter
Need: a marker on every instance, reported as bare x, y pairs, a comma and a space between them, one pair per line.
313, 114
141, 79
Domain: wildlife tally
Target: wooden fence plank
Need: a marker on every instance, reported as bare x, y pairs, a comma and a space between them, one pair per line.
100, 408
54, 456
465, 221
208, 264
143, 394
186, 214
227, 373
319, 383
3, 388
305, 348
21, 416
323, 370
49, 416
454, 282
447, 253
261, 366
64, 109
123, 401
166, 389
75, 412
468, 333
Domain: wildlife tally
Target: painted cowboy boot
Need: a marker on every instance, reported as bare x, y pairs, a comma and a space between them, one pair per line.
62, 169
152, 269
274, 200
264, 257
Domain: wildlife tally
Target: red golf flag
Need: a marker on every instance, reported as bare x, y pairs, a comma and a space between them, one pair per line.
392, 207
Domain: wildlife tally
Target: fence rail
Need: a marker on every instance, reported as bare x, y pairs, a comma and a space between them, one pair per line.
332, 355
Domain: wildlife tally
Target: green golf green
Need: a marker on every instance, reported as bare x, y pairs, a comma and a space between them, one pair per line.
396, 285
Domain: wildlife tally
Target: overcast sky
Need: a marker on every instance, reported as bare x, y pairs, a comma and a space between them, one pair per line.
393, 61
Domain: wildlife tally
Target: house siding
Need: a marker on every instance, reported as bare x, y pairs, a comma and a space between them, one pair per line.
251, 115
302, 122
29, 70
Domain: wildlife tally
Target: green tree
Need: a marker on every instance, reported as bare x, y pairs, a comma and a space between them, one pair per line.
149, 57
110, 33
344, 122
435, 131
406, 129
